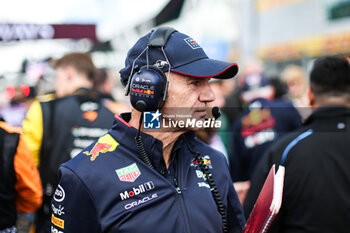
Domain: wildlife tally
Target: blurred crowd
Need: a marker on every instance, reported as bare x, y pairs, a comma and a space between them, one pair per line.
256, 112
76, 111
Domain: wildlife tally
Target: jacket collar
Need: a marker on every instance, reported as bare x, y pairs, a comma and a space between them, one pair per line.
328, 112
125, 134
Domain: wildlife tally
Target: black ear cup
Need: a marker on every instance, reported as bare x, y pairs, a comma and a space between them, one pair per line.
148, 85
148, 89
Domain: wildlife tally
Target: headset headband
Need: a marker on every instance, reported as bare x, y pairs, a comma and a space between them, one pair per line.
160, 36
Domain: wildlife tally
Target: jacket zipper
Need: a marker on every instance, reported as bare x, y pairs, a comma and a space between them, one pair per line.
179, 192
182, 204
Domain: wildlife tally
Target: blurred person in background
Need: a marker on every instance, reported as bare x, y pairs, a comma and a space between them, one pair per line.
20, 185
297, 84
316, 158
264, 121
105, 84
280, 88
234, 104
57, 130
21, 97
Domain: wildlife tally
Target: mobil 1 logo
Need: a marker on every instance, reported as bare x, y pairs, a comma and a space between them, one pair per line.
142, 188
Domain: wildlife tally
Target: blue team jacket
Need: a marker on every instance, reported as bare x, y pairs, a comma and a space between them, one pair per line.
107, 188
261, 124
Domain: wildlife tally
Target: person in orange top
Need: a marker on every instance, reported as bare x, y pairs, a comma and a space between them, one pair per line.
20, 185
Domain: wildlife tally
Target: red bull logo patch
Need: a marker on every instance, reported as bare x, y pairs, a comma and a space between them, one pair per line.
206, 160
257, 121
129, 173
103, 145
140, 91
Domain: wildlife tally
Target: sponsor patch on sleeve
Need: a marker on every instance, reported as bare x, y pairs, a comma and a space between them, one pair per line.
57, 221
59, 194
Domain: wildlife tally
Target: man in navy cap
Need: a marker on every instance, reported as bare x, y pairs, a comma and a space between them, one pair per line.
157, 180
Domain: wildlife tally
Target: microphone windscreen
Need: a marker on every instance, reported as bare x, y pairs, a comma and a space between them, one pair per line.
216, 112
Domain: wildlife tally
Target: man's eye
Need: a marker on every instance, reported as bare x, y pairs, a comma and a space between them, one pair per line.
196, 83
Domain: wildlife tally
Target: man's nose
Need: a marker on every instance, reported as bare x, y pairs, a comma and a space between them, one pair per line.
207, 94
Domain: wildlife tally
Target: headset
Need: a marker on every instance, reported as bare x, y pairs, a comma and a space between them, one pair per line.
148, 85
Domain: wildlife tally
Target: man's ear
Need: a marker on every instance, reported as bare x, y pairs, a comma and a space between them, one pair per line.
71, 72
311, 96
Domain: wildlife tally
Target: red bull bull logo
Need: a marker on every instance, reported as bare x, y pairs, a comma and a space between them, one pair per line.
103, 145
206, 161
149, 92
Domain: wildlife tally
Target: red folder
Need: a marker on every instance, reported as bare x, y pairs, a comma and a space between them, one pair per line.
268, 203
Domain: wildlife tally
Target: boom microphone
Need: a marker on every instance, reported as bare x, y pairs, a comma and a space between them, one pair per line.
216, 112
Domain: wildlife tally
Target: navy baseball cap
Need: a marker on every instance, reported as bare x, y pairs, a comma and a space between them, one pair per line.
185, 56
